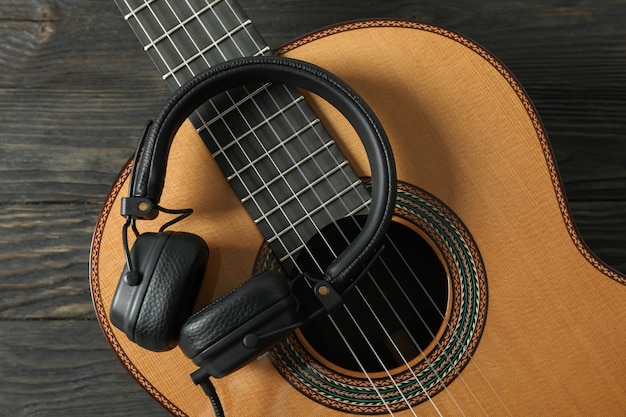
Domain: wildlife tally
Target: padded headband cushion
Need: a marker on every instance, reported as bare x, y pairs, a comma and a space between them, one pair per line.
152, 165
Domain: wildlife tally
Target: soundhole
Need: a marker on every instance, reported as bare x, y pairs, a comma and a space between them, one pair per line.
396, 310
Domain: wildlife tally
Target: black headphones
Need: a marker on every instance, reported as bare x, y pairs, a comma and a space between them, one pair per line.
163, 273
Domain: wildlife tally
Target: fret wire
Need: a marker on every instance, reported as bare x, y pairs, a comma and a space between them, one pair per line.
215, 44
309, 186
276, 237
222, 150
258, 206
178, 51
280, 145
337, 192
292, 227
323, 205
309, 215
359, 191
358, 209
333, 155
235, 14
172, 42
253, 101
296, 250
186, 64
203, 123
230, 162
260, 52
221, 113
245, 29
321, 139
194, 16
208, 32
133, 12
266, 121
275, 233
148, 36
164, 61
253, 39
271, 226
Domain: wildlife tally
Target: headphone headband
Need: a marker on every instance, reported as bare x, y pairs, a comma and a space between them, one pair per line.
151, 168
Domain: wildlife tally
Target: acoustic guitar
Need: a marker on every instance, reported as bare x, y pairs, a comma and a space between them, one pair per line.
485, 300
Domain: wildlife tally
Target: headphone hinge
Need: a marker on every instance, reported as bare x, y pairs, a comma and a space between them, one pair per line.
139, 208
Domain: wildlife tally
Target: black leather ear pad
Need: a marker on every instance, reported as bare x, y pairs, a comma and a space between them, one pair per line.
171, 267
226, 314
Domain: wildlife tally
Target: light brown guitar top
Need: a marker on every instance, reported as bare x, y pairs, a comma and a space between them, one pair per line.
461, 128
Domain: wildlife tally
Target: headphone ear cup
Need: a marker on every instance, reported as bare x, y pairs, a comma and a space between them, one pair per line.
226, 314
171, 266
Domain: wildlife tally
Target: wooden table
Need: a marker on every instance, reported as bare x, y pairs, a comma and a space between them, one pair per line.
76, 90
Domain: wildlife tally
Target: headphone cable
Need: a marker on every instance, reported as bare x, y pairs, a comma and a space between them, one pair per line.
210, 392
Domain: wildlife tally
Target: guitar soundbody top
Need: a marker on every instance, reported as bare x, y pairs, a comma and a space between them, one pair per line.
463, 130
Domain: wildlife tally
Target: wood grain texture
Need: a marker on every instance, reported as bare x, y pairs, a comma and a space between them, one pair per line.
76, 90
64, 368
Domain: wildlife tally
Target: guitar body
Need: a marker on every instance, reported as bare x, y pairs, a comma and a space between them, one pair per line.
548, 321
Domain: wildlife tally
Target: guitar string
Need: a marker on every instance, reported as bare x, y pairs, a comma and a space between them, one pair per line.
254, 134
442, 315
181, 24
252, 131
426, 359
382, 398
330, 216
167, 33
327, 244
177, 81
402, 323
473, 362
389, 304
153, 13
179, 52
362, 296
175, 77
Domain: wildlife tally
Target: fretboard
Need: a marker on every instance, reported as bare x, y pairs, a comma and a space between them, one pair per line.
279, 160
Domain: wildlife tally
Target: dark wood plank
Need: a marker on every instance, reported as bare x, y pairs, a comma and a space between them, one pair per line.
44, 255
74, 153
65, 368
67, 145
573, 75
44, 252
73, 44
602, 225
76, 89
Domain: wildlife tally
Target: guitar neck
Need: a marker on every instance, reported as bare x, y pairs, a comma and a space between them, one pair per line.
279, 160
184, 38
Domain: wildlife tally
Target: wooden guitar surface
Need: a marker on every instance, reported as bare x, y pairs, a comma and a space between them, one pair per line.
463, 130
